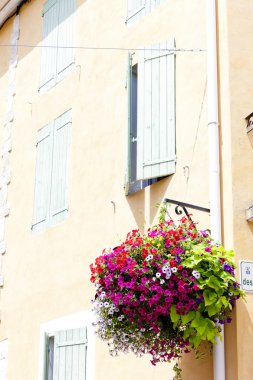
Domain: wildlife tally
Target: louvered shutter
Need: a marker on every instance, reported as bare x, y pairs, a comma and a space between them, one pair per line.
59, 206
70, 354
50, 16
151, 5
43, 178
136, 10
156, 112
65, 58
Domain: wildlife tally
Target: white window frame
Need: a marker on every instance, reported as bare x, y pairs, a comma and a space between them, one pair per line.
74, 321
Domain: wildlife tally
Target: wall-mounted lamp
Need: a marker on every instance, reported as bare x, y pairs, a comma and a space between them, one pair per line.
249, 120
249, 214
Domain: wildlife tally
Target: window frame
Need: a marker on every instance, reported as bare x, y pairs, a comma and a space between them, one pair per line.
137, 115
47, 83
140, 11
82, 319
49, 131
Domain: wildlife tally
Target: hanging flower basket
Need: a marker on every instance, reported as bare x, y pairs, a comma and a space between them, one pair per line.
165, 292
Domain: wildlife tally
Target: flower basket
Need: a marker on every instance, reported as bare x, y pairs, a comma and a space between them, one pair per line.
165, 292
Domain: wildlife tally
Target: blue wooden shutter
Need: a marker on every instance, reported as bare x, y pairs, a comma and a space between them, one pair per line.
65, 57
43, 178
61, 140
50, 16
135, 10
156, 112
151, 5
70, 354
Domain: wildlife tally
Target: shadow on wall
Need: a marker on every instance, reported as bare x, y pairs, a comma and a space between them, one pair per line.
136, 203
198, 369
143, 203
251, 227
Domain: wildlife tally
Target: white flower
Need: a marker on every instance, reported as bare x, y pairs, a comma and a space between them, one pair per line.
174, 270
106, 304
196, 274
162, 281
101, 304
158, 275
230, 294
154, 278
149, 257
165, 268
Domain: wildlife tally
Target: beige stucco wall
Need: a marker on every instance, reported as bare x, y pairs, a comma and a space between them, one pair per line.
47, 275
236, 61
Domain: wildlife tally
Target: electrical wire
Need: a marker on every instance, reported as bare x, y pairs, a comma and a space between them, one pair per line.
104, 48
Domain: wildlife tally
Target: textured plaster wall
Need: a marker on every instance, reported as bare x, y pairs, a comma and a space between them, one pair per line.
47, 275
236, 60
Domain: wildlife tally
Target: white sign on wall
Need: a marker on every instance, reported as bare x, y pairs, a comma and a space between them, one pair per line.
246, 275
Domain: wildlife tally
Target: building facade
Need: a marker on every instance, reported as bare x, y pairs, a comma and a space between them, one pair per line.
103, 114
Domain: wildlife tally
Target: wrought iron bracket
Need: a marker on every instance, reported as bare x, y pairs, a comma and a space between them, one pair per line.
183, 206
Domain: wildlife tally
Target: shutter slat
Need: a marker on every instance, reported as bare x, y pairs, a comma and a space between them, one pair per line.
42, 178
136, 10
163, 113
82, 355
65, 57
58, 206
147, 138
49, 54
69, 355
171, 110
156, 111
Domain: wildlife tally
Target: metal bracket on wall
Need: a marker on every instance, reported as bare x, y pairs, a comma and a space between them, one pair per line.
183, 206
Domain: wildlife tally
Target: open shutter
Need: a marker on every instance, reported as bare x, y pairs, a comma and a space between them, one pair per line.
65, 57
156, 112
135, 11
43, 178
70, 354
59, 207
50, 16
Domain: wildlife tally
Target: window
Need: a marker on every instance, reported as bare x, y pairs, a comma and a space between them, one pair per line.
136, 9
67, 348
66, 354
58, 30
50, 198
151, 119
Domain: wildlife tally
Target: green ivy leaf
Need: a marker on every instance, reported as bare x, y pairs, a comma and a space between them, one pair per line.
214, 282
188, 317
210, 297
213, 309
173, 314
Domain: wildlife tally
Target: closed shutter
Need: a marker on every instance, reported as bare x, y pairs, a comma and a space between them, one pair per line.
136, 10
43, 178
156, 112
61, 139
70, 354
65, 57
50, 16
